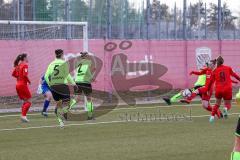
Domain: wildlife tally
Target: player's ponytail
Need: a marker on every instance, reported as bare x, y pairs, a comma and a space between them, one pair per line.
213, 61
19, 57
24, 55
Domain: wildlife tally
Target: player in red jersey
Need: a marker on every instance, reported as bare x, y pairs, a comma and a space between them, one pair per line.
206, 91
223, 87
20, 72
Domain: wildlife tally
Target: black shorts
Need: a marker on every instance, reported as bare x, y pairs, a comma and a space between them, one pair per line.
85, 88
237, 133
60, 92
196, 87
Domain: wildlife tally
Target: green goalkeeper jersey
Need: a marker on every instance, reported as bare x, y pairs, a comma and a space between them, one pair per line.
84, 74
58, 73
201, 80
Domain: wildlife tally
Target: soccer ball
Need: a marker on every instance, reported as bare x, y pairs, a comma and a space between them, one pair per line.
186, 93
238, 99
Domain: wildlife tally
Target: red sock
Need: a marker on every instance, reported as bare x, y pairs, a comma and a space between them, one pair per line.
228, 106
219, 113
25, 108
193, 95
215, 109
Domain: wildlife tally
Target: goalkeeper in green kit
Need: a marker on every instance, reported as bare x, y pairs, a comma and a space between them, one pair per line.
200, 83
83, 79
58, 77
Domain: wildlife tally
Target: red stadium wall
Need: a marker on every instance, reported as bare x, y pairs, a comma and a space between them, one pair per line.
177, 56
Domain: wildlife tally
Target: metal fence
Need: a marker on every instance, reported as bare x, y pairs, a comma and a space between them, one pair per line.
133, 19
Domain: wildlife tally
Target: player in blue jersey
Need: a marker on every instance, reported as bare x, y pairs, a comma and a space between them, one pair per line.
44, 89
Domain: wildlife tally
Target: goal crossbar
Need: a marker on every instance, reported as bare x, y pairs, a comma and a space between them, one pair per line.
43, 22
84, 24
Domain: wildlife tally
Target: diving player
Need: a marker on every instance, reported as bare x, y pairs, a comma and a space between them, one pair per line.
176, 98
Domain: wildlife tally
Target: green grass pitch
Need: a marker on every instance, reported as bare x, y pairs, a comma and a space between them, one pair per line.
111, 137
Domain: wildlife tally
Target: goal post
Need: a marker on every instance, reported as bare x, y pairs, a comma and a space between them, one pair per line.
68, 24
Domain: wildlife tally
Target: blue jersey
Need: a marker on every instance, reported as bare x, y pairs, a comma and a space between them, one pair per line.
45, 87
44, 82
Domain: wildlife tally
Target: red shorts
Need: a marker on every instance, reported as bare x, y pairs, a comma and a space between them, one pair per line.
224, 93
205, 93
23, 91
203, 90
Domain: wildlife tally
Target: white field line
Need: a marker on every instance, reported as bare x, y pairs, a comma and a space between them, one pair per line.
116, 109
92, 123
54, 126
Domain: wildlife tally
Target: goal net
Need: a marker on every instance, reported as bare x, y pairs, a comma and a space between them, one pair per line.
38, 39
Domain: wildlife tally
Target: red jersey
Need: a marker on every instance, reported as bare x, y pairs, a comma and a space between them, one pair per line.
222, 77
207, 72
21, 73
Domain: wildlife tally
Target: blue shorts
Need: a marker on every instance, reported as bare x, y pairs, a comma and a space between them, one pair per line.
45, 89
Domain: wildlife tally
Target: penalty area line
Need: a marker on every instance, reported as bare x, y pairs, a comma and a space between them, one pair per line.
92, 123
